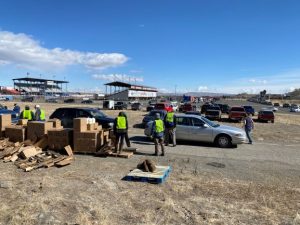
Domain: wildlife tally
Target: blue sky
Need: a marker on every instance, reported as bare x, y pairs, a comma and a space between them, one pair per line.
214, 45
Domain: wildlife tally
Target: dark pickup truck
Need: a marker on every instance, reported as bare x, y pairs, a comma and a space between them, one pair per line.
213, 113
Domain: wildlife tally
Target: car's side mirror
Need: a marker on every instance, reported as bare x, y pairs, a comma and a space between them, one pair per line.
205, 125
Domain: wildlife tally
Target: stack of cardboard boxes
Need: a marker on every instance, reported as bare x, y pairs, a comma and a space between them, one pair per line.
5, 120
88, 135
37, 129
60, 138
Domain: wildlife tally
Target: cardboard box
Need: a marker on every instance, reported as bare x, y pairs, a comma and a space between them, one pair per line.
56, 123
15, 133
22, 122
5, 120
60, 138
36, 129
80, 124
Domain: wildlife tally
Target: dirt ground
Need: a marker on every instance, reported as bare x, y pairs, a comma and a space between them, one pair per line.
91, 190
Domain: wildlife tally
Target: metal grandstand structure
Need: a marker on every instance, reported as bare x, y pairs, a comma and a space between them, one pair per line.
38, 86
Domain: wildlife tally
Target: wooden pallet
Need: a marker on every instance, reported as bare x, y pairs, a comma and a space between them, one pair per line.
157, 177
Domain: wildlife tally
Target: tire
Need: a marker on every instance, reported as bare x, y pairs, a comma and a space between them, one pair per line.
223, 141
272, 121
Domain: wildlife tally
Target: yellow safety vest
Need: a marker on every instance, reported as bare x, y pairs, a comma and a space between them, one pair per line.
159, 126
121, 122
170, 117
27, 114
42, 115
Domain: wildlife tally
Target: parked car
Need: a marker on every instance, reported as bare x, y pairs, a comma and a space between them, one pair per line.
163, 106
249, 109
3, 98
266, 115
14, 116
286, 105
28, 99
150, 107
294, 105
136, 106
120, 105
272, 108
276, 104
87, 101
193, 113
66, 115
213, 112
295, 109
187, 107
198, 128
174, 105
70, 100
151, 116
51, 100
204, 107
237, 113
224, 108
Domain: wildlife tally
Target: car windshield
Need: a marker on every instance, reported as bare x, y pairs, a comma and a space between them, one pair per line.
96, 113
210, 123
248, 107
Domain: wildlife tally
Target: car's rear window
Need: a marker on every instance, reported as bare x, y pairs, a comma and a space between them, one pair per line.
267, 113
238, 109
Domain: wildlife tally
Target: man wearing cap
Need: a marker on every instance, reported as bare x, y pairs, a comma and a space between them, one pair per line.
39, 113
157, 132
120, 130
27, 114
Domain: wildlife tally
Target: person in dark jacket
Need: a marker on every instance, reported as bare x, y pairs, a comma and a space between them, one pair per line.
27, 114
157, 132
16, 108
120, 130
249, 126
126, 135
170, 126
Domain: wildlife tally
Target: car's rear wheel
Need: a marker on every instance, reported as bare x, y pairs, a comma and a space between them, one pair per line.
223, 141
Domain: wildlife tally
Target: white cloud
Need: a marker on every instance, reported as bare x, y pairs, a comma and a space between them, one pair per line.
258, 81
118, 77
23, 51
202, 88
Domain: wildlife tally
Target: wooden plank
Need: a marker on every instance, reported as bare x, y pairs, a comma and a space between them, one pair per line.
42, 143
121, 155
68, 150
64, 162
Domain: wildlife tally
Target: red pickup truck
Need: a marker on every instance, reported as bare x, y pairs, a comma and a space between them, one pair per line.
163, 106
266, 115
237, 113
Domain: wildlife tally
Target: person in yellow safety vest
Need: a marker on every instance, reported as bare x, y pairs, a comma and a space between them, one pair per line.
39, 113
170, 125
27, 114
157, 131
120, 130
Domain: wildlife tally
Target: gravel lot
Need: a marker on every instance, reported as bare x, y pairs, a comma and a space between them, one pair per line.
250, 184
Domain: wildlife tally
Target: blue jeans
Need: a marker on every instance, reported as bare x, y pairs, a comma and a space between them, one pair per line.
248, 133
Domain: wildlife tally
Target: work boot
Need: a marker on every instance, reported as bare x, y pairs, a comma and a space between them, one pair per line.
162, 154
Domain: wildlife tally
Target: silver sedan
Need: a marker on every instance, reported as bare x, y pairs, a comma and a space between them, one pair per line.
198, 128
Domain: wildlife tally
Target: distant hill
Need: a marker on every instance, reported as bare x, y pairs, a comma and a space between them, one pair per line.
195, 94
295, 93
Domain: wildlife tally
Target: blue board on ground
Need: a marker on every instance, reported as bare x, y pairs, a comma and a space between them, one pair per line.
159, 176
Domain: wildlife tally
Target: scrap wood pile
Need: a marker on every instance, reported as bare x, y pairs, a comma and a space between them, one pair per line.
28, 156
